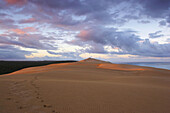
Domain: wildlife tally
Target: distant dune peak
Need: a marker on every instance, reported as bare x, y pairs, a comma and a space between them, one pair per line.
93, 60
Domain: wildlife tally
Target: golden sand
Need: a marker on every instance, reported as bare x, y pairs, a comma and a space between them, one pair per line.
88, 86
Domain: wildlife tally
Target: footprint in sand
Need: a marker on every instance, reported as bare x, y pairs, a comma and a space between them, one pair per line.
26, 92
20, 107
53, 111
19, 91
38, 97
42, 100
47, 106
16, 101
9, 98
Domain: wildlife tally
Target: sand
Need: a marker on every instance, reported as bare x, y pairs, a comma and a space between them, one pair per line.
88, 86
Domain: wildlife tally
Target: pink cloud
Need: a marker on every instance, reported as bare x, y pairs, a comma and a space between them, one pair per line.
24, 30
30, 29
30, 20
12, 2
83, 35
18, 31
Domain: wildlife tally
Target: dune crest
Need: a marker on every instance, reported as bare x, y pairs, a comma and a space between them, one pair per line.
92, 60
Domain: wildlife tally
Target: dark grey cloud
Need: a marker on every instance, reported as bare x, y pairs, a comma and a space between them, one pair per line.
80, 7
62, 12
105, 11
144, 21
126, 42
98, 9
156, 34
108, 36
8, 52
152, 49
3, 14
156, 9
162, 23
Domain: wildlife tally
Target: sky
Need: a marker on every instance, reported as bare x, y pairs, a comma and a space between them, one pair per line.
112, 30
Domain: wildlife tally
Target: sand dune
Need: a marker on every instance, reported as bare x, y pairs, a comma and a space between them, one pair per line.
88, 86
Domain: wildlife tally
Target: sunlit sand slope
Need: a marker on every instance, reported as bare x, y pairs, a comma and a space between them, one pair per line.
88, 86
124, 67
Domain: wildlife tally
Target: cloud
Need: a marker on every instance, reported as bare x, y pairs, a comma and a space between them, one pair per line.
18, 31
144, 21
9, 52
126, 42
29, 20
168, 40
109, 36
155, 8
70, 55
35, 41
14, 2
30, 29
6, 23
95, 48
146, 48
162, 23
23, 31
156, 34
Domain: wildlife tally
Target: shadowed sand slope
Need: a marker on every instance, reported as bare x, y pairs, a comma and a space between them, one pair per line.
88, 86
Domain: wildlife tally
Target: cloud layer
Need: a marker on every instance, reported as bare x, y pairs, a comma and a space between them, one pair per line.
90, 26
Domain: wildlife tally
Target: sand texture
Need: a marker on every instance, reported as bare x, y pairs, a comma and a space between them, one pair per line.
88, 86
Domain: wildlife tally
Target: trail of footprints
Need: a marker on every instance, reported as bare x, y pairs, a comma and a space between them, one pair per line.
28, 97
